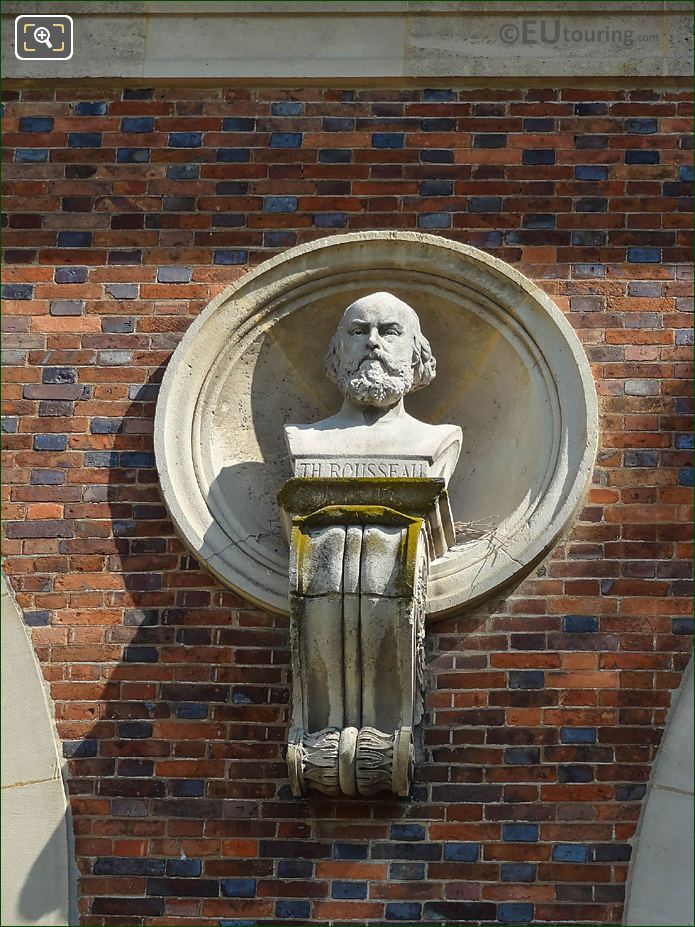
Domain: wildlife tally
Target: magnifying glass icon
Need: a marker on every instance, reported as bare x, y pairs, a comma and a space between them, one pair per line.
43, 35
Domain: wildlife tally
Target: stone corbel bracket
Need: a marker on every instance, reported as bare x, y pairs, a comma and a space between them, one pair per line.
358, 578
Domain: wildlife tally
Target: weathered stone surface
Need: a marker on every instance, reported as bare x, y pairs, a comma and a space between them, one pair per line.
511, 373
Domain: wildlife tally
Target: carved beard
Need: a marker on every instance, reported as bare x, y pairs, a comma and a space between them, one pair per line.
378, 381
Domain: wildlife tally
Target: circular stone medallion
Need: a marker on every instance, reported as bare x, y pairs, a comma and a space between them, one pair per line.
510, 371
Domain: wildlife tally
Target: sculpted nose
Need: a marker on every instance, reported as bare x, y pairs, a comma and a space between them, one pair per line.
373, 341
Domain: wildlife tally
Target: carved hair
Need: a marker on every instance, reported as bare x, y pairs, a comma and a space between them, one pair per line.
424, 363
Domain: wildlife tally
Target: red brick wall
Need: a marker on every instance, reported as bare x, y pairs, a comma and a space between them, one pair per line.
171, 694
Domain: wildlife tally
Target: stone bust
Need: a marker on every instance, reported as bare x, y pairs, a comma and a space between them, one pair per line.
377, 356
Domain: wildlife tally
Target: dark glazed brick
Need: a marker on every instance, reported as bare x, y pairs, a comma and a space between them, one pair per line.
644, 255
193, 692
233, 155
183, 171
192, 711
578, 735
579, 624
134, 730
641, 126
538, 221
79, 748
61, 307
461, 852
681, 626
407, 872
437, 156
574, 773
352, 890
649, 459
538, 156
591, 172
520, 833
586, 238
427, 851
238, 124
592, 204
188, 788
403, 911
610, 852
173, 274
287, 108
388, 140
138, 93
518, 872
35, 124
133, 155
137, 124
489, 140
99, 459
17, 291
90, 108
330, 220
281, 239
570, 853
514, 912
522, 756
292, 909
591, 141
304, 849
184, 868
407, 832
280, 203
630, 792
74, 239
59, 375
84, 139
71, 274
136, 768
590, 109
295, 869
434, 220
485, 204
286, 140
351, 851
526, 679
438, 124
37, 619
30, 155
135, 654
185, 139
641, 156
437, 188
47, 477
238, 888
539, 125
335, 155
230, 257
447, 911
434, 95
338, 124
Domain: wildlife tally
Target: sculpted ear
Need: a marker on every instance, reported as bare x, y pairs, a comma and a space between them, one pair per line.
424, 362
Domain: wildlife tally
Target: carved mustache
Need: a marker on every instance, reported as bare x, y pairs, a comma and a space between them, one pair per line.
384, 359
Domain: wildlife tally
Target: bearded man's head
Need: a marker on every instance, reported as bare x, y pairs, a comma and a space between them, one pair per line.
378, 353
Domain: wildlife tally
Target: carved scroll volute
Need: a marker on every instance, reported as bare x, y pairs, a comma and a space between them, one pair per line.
358, 589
